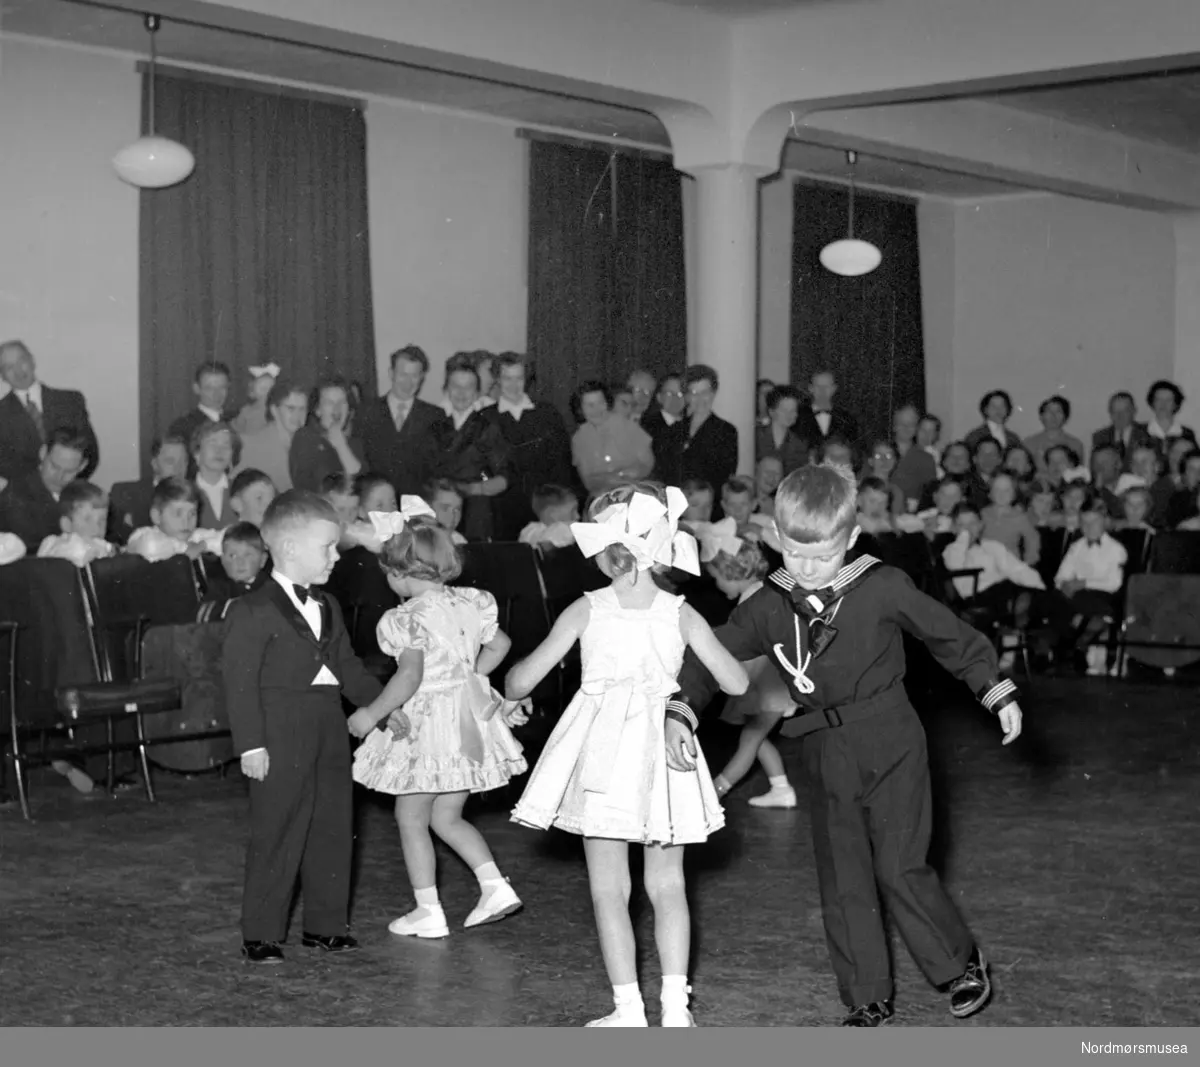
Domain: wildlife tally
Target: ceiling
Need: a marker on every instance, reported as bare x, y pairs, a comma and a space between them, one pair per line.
1163, 108
734, 8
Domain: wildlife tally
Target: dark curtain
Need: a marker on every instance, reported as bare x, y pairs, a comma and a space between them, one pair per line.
607, 288
262, 254
866, 330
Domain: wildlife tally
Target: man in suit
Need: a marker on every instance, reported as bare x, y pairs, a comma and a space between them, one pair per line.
129, 502
399, 432
286, 661
211, 386
29, 504
1123, 433
668, 429
822, 420
710, 449
31, 413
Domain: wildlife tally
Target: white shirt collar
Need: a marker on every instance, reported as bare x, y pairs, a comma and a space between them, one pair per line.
1174, 430
34, 393
514, 408
211, 413
997, 431
670, 419
289, 587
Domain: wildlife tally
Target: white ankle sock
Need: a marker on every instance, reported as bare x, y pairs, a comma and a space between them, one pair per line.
427, 898
779, 781
488, 874
627, 996
674, 985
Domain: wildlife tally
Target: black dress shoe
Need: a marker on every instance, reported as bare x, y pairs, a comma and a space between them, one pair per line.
971, 990
333, 943
262, 951
876, 1014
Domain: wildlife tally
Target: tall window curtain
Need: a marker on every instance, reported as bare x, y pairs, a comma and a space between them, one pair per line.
262, 254
607, 288
866, 330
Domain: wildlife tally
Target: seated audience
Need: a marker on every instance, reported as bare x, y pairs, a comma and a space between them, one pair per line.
1147, 472
985, 462
667, 427
768, 473
1003, 586
1072, 499
874, 506
29, 505
1105, 466
640, 384
214, 445
915, 469
1192, 523
1123, 433
699, 495
710, 449
1018, 461
269, 449
250, 495
129, 502
84, 517
1165, 399
1136, 508
737, 503
996, 407
939, 518
244, 559
322, 447
173, 512
211, 386
777, 437
956, 461
32, 412
556, 507
1054, 413
929, 435
341, 491
253, 415
1182, 503
838, 451
443, 496
1005, 520
881, 464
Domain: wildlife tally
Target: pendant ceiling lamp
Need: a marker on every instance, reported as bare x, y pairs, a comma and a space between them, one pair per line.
153, 162
851, 257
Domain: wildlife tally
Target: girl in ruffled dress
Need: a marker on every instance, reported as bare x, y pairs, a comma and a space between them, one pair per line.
447, 734
603, 773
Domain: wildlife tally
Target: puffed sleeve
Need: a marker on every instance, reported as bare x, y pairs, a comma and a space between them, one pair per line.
400, 629
489, 615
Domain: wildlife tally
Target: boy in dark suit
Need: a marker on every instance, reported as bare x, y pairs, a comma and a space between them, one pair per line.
287, 660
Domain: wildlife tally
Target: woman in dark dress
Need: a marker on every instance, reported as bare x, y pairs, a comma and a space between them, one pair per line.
323, 447
777, 436
711, 452
539, 450
472, 453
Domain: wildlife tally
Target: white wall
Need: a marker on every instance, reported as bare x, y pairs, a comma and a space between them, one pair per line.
69, 231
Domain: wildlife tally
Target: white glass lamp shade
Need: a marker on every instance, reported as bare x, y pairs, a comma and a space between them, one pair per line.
154, 163
850, 257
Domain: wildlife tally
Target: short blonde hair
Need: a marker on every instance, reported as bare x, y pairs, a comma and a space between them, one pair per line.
422, 550
816, 503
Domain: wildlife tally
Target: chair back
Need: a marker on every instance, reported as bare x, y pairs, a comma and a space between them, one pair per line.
1162, 619
1175, 552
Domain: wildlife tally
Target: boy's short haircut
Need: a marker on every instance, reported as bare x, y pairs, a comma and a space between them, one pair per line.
738, 486
295, 509
341, 483
1138, 490
209, 429
422, 550
79, 494
159, 443
245, 533
833, 442
367, 481
965, 508
872, 484
748, 564
550, 496
246, 479
950, 479
692, 486
1093, 502
173, 490
816, 503
212, 367
1070, 453
439, 485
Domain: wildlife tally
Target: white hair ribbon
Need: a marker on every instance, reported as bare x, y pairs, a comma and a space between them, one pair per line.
717, 537
647, 528
389, 523
271, 369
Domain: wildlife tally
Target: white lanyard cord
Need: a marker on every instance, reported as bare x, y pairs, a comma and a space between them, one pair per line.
798, 670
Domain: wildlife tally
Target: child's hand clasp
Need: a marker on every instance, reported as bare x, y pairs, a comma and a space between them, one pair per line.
519, 713
361, 723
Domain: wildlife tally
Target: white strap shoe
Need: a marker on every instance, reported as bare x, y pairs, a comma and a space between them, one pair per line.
421, 922
625, 1015
501, 902
675, 1009
775, 798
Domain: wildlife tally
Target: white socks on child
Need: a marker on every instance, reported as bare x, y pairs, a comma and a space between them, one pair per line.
496, 897
631, 1011
780, 795
675, 992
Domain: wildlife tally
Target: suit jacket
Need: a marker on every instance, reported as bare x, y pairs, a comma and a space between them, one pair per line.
1138, 436
841, 424
269, 660
982, 433
188, 424
793, 454
668, 443
406, 457
28, 510
20, 443
128, 508
207, 519
712, 454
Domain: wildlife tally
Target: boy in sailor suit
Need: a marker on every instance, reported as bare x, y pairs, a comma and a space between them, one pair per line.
287, 661
834, 630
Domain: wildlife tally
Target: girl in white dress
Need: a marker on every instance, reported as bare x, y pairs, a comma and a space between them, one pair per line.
603, 773
447, 732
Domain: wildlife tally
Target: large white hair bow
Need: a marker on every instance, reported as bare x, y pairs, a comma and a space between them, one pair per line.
271, 369
717, 537
389, 523
644, 526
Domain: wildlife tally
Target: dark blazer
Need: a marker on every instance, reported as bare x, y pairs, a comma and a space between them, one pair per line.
712, 454
667, 443
841, 424
269, 660
1138, 436
982, 433
406, 457
793, 454
129, 508
916, 469
539, 453
206, 518
20, 443
464, 455
29, 510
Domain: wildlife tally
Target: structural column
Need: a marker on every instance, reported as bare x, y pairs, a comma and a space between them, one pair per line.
723, 288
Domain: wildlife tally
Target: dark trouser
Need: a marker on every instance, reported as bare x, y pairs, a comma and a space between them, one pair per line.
301, 823
871, 821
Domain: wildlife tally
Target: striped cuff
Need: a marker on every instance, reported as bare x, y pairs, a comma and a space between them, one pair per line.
680, 712
999, 696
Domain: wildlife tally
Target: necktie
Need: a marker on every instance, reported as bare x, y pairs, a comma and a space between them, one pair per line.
401, 414
35, 413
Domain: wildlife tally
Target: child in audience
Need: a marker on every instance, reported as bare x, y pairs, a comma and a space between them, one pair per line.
243, 557
1004, 586
286, 661
1073, 496
1043, 509
443, 496
250, 495
84, 519
375, 493
1136, 506
939, 519
1089, 578
1004, 520
837, 452
768, 473
737, 503
699, 496
339, 490
738, 568
440, 731
556, 508
874, 506
173, 510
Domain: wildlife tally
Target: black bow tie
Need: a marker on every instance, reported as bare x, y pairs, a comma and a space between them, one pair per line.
812, 603
303, 593
1093, 544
